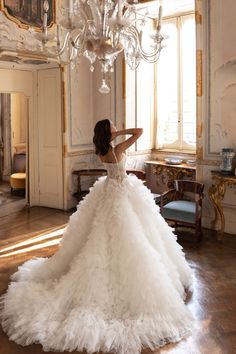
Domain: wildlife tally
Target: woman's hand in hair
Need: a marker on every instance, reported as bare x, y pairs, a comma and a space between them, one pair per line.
135, 134
131, 131
114, 134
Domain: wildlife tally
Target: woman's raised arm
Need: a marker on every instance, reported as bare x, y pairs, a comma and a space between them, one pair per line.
135, 134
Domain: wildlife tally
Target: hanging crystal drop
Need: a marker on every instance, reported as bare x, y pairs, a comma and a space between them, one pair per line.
104, 88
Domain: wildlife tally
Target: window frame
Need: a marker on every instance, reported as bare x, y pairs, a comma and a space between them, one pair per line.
179, 144
191, 150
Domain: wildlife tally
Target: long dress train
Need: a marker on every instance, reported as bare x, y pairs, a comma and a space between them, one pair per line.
116, 284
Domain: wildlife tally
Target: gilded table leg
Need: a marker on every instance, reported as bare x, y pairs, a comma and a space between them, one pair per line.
221, 193
216, 194
213, 196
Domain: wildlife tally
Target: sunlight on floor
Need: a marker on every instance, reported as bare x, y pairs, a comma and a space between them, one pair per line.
43, 240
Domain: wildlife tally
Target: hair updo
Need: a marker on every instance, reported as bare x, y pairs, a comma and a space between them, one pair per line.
102, 137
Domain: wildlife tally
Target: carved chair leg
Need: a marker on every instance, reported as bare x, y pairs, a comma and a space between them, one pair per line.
199, 231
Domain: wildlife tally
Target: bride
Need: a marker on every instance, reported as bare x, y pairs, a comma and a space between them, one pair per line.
117, 283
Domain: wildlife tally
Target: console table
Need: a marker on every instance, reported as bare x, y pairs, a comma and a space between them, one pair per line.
216, 193
96, 172
161, 176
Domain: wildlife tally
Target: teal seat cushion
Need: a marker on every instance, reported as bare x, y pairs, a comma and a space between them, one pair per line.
180, 210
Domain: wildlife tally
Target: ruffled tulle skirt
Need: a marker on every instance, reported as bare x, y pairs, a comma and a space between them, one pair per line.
116, 284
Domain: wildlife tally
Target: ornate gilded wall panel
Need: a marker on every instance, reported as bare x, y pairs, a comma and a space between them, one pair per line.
27, 13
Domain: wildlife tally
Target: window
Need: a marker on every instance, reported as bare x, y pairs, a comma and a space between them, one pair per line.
161, 98
140, 96
176, 85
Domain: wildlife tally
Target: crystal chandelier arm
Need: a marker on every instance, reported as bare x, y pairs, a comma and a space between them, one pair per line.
128, 12
96, 14
137, 36
115, 12
83, 11
74, 42
104, 18
66, 40
140, 14
83, 35
154, 59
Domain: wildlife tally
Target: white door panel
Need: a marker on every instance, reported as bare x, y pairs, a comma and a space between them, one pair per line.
50, 138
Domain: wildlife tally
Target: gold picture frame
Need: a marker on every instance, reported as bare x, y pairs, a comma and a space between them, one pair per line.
28, 13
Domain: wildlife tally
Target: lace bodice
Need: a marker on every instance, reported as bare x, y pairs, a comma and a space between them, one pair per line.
116, 170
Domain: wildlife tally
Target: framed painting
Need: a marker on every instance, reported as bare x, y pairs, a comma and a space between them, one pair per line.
28, 13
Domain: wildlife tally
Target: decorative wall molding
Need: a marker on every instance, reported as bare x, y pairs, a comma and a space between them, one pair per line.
79, 111
207, 74
14, 38
21, 16
78, 153
210, 162
220, 81
199, 72
164, 152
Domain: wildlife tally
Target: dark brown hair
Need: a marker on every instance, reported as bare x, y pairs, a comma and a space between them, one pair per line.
102, 137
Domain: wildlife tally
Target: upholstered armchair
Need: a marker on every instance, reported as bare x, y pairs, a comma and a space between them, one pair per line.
18, 177
182, 205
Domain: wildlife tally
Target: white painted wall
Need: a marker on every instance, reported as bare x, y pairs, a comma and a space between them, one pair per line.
217, 123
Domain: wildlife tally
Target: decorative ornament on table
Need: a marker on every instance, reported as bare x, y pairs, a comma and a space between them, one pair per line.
191, 162
101, 30
226, 166
173, 160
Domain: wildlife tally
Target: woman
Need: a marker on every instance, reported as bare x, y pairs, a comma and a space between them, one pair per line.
118, 281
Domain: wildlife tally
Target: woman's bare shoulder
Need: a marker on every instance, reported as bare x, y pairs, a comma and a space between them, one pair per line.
108, 158
113, 155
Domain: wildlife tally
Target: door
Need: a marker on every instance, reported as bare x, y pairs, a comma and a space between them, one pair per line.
50, 138
20, 81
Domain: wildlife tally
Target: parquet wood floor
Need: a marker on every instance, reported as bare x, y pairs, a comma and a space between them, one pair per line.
212, 303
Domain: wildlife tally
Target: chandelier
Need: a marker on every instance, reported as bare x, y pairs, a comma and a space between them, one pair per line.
100, 30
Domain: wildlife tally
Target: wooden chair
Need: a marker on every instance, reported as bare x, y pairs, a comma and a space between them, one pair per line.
90, 172
183, 205
96, 172
138, 173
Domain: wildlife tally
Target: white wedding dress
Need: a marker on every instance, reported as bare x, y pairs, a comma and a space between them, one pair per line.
117, 283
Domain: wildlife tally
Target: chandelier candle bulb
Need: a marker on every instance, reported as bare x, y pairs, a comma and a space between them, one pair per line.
71, 6
45, 15
45, 20
159, 17
45, 6
119, 9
